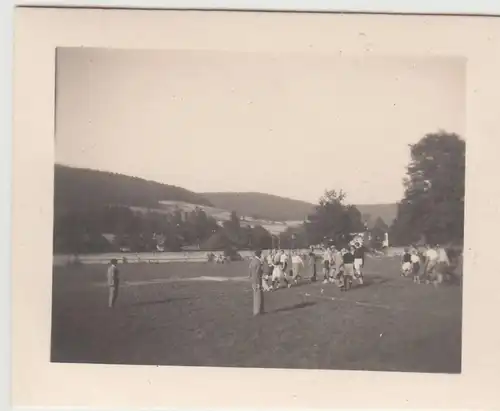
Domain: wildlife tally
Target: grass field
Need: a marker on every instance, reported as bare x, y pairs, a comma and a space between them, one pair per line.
168, 314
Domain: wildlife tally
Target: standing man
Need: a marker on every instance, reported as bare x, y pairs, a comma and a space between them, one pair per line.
113, 282
331, 272
297, 265
312, 264
338, 260
266, 271
431, 262
359, 261
442, 265
415, 264
327, 258
284, 267
277, 257
348, 264
256, 278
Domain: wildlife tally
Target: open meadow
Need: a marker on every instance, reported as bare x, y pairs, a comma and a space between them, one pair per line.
200, 314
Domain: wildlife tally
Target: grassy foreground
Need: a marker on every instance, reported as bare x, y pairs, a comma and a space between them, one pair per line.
169, 314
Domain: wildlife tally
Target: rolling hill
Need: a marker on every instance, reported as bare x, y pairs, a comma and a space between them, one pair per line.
267, 206
84, 189
259, 205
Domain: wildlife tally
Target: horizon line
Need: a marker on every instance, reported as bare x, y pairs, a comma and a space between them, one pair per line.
201, 193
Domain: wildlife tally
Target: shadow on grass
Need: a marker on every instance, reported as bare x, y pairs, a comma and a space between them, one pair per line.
294, 307
158, 302
301, 283
369, 282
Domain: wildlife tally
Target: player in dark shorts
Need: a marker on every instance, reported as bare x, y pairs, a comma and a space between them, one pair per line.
312, 264
348, 264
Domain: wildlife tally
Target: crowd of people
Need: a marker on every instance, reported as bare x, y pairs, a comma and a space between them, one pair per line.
275, 269
285, 268
429, 266
278, 268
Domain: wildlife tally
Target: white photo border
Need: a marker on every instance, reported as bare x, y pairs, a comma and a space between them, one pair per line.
36, 382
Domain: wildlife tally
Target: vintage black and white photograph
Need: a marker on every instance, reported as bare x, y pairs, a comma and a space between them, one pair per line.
256, 209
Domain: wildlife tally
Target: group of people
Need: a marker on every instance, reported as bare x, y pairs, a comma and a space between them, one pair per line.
269, 272
218, 258
342, 266
435, 264
279, 266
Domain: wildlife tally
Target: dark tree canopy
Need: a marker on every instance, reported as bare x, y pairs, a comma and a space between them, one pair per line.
333, 221
85, 231
380, 228
432, 209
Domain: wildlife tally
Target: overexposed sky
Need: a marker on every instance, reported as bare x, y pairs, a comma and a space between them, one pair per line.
286, 124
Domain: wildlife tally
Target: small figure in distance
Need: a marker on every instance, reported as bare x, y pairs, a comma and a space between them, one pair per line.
113, 275
255, 274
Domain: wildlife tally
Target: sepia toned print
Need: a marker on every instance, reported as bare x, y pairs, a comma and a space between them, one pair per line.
224, 209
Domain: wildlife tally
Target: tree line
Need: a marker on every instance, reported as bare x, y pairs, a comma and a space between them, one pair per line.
89, 231
432, 210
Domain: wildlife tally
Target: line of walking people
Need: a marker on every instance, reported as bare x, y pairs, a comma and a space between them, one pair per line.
343, 266
284, 269
279, 268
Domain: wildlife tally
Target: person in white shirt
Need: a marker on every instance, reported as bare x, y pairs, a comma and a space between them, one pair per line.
333, 266
443, 256
280, 261
267, 270
285, 265
431, 262
442, 265
297, 265
270, 259
277, 257
277, 272
284, 260
415, 264
359, 261
327, 260
338, 261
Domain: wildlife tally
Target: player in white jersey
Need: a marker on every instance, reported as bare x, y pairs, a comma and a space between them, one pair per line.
431, 261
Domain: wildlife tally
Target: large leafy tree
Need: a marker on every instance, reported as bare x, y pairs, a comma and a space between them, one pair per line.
378, 233
432, 209
260, 238
333, 220
233, 229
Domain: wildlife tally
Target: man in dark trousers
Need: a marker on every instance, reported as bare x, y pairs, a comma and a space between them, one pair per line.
348, 264
256, 271
113, 282
312, 264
